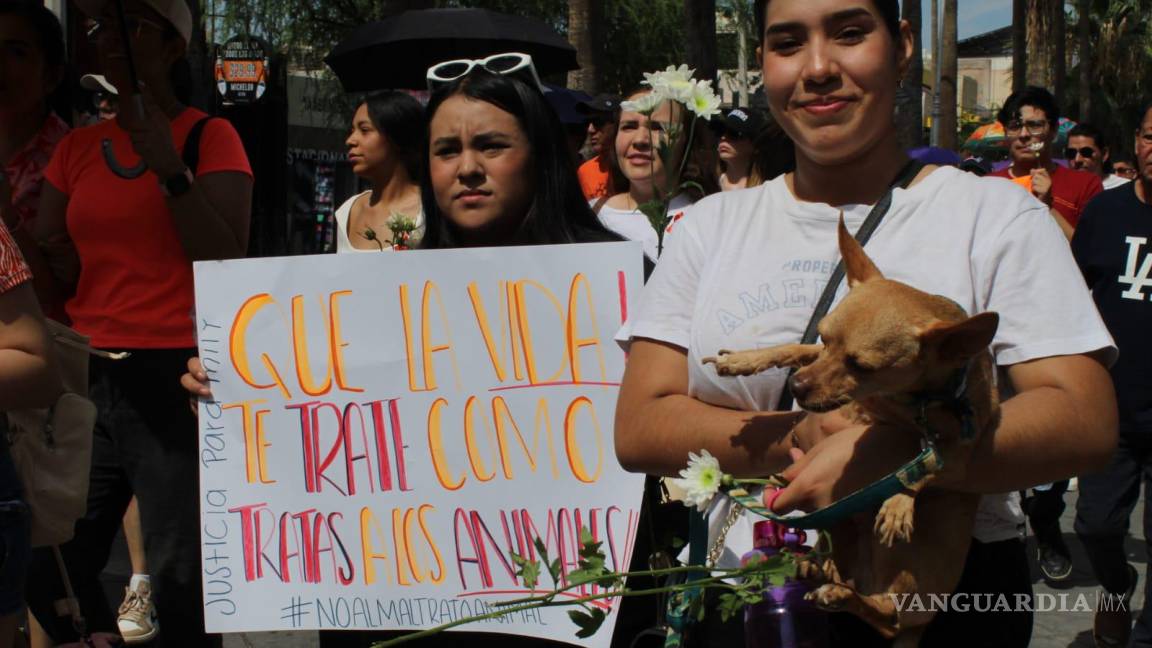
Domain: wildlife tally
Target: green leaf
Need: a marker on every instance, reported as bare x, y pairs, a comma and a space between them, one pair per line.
541, 549
589, 622
730, 604
529, 571
554, 570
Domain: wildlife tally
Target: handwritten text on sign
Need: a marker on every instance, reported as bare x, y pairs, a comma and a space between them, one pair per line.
388, 429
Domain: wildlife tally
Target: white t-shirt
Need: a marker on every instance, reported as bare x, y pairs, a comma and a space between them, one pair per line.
1111, 181
633, 225
343, 214
746, 268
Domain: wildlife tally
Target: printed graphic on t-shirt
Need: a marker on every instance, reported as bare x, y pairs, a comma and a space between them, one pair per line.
1136, 280
799, 287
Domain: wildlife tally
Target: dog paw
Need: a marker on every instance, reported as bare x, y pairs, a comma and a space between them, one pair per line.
741, 363
811, 571
894, 521
831, 596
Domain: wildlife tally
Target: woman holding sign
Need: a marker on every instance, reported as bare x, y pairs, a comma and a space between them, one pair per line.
499, 174
748, 268
141, 197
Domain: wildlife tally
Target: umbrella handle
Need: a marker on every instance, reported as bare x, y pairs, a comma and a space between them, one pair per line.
128, 173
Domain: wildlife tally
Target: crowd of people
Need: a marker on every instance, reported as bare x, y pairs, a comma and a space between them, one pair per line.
102, 222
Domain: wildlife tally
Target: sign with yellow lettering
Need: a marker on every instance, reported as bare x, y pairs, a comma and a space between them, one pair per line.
387, 430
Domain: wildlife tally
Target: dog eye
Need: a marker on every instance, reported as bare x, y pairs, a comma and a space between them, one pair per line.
853, 364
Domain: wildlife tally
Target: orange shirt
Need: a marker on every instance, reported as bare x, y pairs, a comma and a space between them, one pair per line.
594, 176
135, 288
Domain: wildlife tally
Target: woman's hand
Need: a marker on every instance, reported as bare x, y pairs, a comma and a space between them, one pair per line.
151, 135
195, 381
842, 463
814, 428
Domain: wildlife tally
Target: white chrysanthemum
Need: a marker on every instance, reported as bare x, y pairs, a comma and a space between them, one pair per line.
700, 481
645, 104
704, 102
674, 83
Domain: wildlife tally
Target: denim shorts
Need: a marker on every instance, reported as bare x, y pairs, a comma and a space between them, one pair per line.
15, 543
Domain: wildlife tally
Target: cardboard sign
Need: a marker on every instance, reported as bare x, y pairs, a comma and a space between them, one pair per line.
386, 430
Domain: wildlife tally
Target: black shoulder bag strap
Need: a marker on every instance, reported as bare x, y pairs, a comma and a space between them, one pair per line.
191, 154
907, 174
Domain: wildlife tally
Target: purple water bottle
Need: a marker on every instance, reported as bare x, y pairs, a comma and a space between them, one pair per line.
783, 619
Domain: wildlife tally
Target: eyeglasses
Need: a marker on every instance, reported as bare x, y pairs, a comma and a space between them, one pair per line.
1084, 151
1033, 126
135, 26
1124, 171
507, 63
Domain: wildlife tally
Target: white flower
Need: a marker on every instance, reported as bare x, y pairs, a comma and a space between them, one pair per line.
700, 481
645, 104
703, 101
674, 82
669, 75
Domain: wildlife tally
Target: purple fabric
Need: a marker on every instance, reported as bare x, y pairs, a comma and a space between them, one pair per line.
935, 155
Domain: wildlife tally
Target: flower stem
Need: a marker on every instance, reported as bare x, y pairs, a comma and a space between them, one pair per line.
715, 581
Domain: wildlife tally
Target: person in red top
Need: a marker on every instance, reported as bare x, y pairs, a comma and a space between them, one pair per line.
1030, 118
136, 231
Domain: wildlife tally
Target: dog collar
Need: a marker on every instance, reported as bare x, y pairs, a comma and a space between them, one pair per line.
953, 397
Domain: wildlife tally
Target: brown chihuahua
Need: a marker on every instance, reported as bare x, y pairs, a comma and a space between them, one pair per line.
911, 365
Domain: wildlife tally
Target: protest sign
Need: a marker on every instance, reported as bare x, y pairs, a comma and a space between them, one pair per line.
386, 430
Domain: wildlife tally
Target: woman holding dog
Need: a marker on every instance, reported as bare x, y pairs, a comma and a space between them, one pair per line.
747, 268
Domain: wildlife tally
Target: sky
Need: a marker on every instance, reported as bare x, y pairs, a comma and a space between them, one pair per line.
975, 16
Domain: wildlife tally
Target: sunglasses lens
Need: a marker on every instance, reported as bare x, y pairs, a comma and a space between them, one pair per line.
503, 64
451, 70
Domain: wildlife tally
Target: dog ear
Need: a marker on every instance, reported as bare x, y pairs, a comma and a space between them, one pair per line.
859, 268
955, 342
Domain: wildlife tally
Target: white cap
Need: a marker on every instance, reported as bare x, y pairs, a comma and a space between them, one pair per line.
176, 12
97, 83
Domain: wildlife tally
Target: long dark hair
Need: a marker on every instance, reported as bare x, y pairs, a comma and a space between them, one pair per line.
558, 212
400, 118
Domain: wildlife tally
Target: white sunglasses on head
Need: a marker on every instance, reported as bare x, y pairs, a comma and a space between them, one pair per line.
506, 63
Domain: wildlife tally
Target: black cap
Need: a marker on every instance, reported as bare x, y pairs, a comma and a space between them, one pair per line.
744, 122
565, 102
600, 104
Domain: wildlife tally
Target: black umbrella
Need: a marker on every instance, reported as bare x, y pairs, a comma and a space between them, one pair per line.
397, 52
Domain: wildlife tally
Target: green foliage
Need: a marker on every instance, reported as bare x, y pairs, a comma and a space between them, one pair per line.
1120, 54
529, 570
640, 36
588, 619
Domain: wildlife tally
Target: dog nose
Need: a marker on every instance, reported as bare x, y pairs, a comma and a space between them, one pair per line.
800, 387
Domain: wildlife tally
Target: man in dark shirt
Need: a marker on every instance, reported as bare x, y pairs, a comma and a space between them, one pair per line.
1112, 247
1031, 120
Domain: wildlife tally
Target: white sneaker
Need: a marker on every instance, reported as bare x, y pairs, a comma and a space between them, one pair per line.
137, 621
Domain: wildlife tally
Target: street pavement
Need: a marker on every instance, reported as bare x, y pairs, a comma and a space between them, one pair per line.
1050, 630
